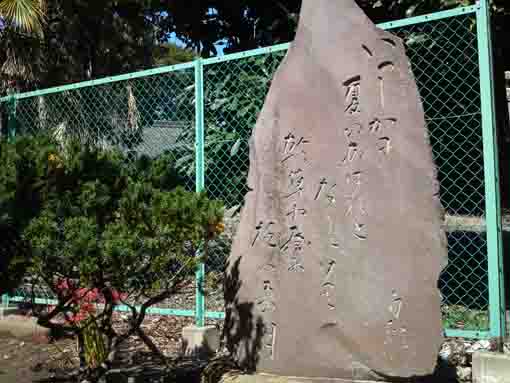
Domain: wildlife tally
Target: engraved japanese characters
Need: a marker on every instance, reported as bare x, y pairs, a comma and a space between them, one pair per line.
340, 243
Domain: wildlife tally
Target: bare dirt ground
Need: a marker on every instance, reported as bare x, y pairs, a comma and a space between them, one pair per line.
35, 360
26, 360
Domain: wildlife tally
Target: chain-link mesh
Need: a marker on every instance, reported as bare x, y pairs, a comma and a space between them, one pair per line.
234, 94
444, 59
155, 114
151, 117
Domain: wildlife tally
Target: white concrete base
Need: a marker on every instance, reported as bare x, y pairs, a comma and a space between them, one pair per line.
266, 378
20, 326
491, 367
200, 341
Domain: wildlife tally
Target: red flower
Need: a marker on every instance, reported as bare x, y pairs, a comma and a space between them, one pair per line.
117, 297
85, 298
79, 317
86, 295
88, 308
62, 284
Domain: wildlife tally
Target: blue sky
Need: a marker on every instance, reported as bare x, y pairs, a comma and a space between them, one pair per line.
173, 39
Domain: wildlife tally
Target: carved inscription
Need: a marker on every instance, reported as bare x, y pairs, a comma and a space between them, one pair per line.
390, 42
383, 68
266, 305
266, 302
354, 152
367, 50
355, 210
396, 305
380, 82
294, 146
293, 249
395, 334
326, 189
293, 244
382, 129
384, 145
328, 271
375, 137
386, 66
295, 212
355, 205
352, 95
353, 131
395, 331
377, 126
268, 340
265, 232
296, 183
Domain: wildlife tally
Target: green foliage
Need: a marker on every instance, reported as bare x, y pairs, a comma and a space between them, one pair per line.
14, 257
102, 38
246, 24
459, 317
21, 197
161, 172
106, 218
171, 54
23, 165
233, 100
104, 224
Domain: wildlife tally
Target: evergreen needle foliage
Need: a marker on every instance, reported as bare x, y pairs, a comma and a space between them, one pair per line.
104, 231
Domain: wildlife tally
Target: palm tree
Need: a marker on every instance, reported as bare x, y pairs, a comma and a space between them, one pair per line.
21, 33
27, 15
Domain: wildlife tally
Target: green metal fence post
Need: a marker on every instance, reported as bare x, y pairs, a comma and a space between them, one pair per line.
200, 180
11, 118
5, 301
490, 152
11, 133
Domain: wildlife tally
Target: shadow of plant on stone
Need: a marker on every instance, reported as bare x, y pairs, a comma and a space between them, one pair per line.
241, 322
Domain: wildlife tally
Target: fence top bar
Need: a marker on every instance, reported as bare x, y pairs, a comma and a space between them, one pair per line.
251, 52
101, 81
233, 56
389, 25
429, 17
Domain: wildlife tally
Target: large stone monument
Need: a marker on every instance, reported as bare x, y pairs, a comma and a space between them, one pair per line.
334, 268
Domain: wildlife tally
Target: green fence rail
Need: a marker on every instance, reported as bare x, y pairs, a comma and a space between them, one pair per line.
203, 112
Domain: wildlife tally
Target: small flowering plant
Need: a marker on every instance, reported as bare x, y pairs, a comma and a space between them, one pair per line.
84, 300
83, 316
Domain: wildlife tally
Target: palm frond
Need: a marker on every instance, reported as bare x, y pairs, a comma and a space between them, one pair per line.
28, 15
21, 55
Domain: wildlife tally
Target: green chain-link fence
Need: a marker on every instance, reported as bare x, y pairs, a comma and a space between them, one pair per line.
202, 115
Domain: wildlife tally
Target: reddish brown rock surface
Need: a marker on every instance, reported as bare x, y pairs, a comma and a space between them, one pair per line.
334, 269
